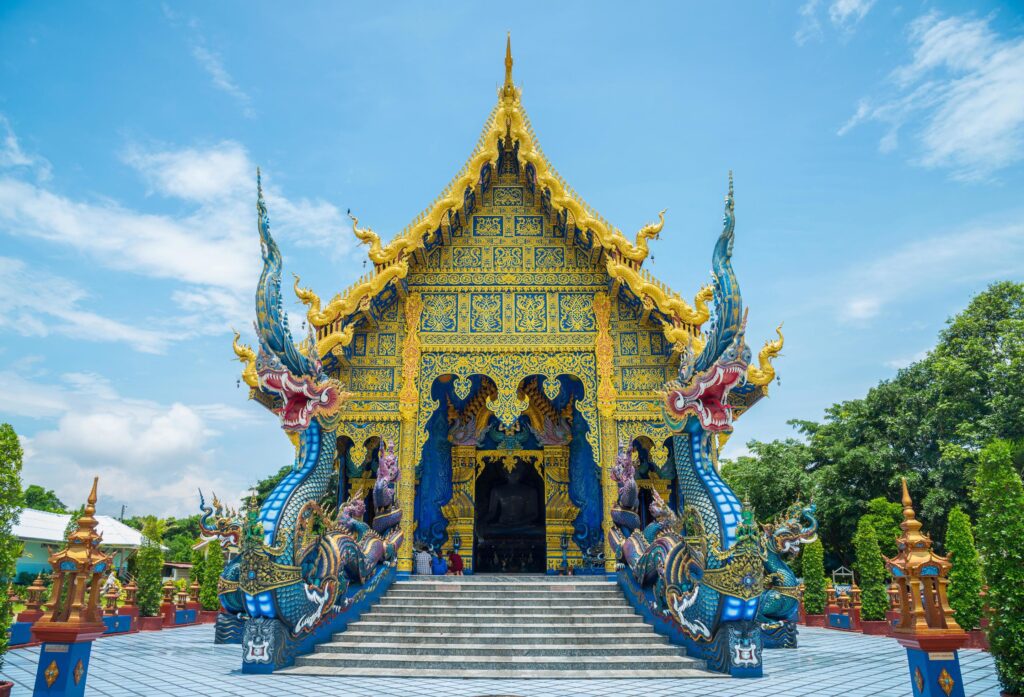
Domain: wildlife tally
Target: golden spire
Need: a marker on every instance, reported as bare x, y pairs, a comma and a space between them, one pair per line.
508, 90
910, 525
88, 521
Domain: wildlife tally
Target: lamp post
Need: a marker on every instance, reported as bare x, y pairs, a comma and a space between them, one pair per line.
926, 627
74, 618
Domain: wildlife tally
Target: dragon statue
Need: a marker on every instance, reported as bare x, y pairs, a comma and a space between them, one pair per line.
701, 576
296, 563
797, 526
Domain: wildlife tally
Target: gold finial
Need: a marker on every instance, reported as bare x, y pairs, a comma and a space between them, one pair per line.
508, 90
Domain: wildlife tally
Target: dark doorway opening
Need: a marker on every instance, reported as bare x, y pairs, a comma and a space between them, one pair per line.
510, 522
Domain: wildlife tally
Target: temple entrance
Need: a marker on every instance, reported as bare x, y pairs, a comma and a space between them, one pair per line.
510, 515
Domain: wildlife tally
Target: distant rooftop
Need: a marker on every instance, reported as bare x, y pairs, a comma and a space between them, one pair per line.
43, 526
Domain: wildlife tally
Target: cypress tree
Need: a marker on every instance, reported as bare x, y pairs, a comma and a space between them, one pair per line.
814, 578
10, 509
965, 576
871, 569
212, 570
198, 559
999, 495
149, 568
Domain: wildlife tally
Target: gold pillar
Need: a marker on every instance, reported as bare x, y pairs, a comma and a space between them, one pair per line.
460, 509
560, 512
606, 398
408, 409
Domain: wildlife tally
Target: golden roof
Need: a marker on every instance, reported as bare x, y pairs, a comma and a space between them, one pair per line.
623, 258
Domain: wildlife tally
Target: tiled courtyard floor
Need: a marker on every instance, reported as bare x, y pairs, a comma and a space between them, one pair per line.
185, 662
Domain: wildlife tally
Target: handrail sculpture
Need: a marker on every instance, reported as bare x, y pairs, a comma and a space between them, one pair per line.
701, 576
298, 566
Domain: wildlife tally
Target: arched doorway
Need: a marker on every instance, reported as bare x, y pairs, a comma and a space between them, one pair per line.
510, 515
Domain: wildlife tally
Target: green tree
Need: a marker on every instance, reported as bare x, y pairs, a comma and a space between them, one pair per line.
871, 570
814, 578
10, 509
772, 477
43, 499
198, 559
149, 566
965, 576
211, 576
999, 496
264, 486
885, 517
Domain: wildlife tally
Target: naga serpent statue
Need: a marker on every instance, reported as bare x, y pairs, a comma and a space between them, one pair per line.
780, 602
224, 526
296, 563
702, 574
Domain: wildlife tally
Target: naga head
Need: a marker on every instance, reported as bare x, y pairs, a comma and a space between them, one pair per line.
220, 523
706, 379
797, 526
354, 509
282, 369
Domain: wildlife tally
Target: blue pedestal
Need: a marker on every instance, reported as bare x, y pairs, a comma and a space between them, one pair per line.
185, 617
116, 624
935, 673
21, 633
838, 620
62, 669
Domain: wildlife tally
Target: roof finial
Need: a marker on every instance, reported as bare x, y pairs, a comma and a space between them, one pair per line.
508, 89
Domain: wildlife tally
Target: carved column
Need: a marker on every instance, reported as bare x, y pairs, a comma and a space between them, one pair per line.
560, 512
408, 408
606, 398
460, 509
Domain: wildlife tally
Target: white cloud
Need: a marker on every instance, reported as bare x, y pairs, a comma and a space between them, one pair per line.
847, 13
36, 303
148, 455
212, 251
977, 254
13, 157
903, 362
213, 65
962, 95
844, 16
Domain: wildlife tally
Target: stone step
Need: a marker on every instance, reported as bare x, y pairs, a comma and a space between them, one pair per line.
506, 674
402, 636
491, 627
463, 592
386, 663
499, 587
509, 579
514, 610
456, 619
441, 647
544, 599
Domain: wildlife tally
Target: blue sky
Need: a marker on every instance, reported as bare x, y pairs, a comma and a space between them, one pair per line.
877, 149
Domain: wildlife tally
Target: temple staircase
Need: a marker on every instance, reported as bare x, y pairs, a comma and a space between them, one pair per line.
501, 627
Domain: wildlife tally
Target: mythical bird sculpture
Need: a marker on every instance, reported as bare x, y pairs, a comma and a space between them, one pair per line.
296, 564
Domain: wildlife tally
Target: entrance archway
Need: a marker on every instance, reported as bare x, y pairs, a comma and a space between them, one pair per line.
510, 514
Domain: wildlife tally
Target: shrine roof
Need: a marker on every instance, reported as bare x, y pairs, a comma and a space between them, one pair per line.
623, 259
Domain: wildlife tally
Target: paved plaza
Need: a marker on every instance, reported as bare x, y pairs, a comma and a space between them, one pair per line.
185, 662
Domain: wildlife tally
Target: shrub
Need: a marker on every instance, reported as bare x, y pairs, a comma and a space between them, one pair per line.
965, 576
814, 578
211, 575
10, 509
999, 495
871, 569
149, 568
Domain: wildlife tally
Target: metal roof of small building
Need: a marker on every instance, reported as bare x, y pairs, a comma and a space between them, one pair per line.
44, 526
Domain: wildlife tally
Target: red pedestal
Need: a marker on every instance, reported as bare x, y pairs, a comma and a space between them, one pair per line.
208, 616
977, 639
167, 611
875, 627
814, 620
29, 616
150, 624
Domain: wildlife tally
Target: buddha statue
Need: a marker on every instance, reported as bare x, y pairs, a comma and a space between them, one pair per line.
513, 506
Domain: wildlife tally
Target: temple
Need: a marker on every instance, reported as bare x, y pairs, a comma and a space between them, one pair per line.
511, 382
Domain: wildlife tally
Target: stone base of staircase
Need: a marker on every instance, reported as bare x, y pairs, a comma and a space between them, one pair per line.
501, 627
